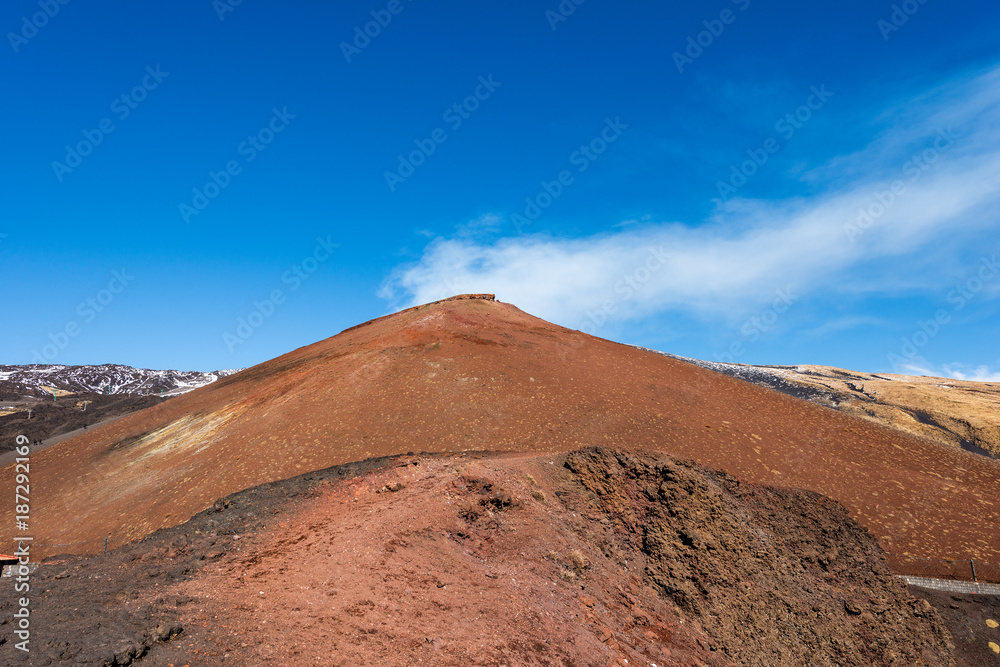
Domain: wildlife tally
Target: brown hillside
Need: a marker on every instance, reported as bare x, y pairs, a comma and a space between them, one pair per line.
475, 374
592, 558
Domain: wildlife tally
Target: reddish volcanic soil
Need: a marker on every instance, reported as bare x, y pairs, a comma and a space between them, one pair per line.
591, 558
475, 374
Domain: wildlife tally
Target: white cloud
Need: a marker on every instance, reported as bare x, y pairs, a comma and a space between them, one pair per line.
734, 263
977, 374
955, 371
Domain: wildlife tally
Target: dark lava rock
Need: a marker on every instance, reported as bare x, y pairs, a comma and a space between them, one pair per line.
774, 576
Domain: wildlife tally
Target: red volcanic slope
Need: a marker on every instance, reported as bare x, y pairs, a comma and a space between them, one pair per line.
474, 374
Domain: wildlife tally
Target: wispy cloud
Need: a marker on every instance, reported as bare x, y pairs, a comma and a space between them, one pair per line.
729, 265
845, 324
956, 371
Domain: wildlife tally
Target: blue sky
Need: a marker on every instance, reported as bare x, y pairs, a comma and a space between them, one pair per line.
203, 185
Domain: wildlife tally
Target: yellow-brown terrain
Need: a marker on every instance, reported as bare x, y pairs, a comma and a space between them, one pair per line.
955, 412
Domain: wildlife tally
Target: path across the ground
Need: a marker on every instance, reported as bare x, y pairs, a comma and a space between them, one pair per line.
951, 586
6, 458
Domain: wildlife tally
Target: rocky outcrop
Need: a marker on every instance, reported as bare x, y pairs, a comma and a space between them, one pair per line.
773, 576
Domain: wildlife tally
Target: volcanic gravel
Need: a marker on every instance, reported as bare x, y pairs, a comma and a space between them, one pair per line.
597, 557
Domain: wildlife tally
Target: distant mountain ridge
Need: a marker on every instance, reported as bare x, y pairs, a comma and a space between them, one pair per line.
37, 381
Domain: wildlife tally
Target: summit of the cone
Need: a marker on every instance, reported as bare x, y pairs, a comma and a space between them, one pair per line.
467, 297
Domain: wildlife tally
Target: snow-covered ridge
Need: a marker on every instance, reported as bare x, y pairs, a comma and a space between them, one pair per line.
41, 380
